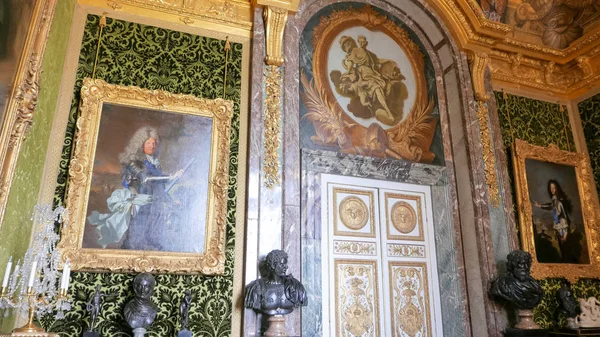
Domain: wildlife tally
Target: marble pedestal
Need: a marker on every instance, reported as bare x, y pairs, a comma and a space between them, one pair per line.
276, 327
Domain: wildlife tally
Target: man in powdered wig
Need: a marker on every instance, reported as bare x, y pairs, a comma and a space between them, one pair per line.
143, 175
143, 207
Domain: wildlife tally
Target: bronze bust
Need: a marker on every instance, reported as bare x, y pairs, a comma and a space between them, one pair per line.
276, 293
517, 286
140, 311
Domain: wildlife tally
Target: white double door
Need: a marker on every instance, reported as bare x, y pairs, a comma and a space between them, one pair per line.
378, 259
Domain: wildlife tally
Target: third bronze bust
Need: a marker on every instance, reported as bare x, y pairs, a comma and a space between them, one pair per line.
517, 286
140, 311
276, 293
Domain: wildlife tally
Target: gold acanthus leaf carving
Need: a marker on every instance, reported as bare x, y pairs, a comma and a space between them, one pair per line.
275, 20
479, 63
272, 125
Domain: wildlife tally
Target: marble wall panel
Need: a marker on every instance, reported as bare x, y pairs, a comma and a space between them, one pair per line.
455, 116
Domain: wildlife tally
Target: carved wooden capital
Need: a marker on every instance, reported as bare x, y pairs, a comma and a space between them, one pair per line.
275, 20
478, 63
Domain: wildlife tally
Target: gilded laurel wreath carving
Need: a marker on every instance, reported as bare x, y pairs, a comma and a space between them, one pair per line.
94, 95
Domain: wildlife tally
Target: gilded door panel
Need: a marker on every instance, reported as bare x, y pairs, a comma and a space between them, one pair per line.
378, 259
353, 212
410, 304
356, 298
404, 216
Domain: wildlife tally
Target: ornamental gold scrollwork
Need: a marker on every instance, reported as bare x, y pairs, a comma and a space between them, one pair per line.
94, 94
272, 125
356, 296
479, 64
354, 248
404, 250
237, 14
522, 152
275, 19
410, 306
21, 106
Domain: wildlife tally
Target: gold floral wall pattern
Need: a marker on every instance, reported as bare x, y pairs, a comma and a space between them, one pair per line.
368, 86
156, 58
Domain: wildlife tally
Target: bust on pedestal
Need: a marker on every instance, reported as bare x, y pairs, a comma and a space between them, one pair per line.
568, 306
276, 294
523, 291
140, 311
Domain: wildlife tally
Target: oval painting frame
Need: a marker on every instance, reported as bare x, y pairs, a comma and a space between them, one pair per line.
373, 79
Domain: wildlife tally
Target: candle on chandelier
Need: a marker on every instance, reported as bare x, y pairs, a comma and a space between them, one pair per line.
64, 282
7, 273
33, 273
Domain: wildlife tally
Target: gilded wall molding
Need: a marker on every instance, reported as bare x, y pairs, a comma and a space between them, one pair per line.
564, 73
275, 19
479, 63
234, 16
23, 100
272, 125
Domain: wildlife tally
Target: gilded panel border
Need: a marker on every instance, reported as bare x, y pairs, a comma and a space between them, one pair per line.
24, 96
419, 216
552, 154
93, 94
357, 324
410, 319
370, 213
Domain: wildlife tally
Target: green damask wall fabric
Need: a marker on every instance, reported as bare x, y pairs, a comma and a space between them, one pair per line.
540, 123
589, 110
156, 58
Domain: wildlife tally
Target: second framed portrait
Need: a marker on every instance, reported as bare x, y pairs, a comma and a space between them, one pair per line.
148, 181
557, 214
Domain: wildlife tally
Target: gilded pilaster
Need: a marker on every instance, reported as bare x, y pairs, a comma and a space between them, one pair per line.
275, 19
479, 63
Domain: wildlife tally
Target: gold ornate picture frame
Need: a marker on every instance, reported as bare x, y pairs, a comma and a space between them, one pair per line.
148, 180
557, 215
17, 112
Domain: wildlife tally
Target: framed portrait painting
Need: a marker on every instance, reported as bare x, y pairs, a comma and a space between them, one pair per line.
557, 215
148, 181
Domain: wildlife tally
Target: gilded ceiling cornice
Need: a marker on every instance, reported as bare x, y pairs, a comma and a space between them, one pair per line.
516, 62
233, 16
